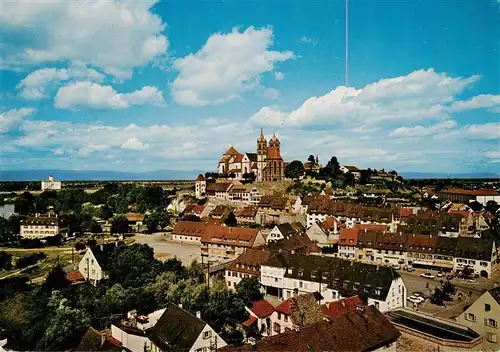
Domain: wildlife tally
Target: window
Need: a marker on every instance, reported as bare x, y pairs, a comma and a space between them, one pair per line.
470, 317
491, 337
93, 271
285, 318
376, 305
229, 284
487, 307
279, 316
207, 334
300, 284
301, 272
277, 328
490, 322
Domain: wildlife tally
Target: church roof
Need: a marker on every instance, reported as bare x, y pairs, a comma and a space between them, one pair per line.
200, 178
231, 151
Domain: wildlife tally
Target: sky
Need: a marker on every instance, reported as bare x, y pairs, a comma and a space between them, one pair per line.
152, 85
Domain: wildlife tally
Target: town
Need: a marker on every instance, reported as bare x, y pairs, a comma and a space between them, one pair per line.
250, 257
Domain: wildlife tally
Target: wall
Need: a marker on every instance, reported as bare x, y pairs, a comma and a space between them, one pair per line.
202, 342
186, 238
134, 343
88, 262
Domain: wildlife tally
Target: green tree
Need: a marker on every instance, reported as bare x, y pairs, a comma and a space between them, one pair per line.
64, 325
231, 220
294, 170
5, 260
311, 160
24, 204
158, 218
105, 212
248, 290
56, 279
119, 224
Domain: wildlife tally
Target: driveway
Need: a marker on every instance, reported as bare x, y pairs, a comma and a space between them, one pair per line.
164, 248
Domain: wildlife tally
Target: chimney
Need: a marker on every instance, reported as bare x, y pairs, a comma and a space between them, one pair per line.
198, 314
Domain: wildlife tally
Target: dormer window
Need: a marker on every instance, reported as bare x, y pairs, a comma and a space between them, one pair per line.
313, 274
301, 272
324, 276
378, 291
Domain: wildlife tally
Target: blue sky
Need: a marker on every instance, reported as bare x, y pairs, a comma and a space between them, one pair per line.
138, 86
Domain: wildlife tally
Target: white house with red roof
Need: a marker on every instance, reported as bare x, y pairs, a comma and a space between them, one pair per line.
260, 314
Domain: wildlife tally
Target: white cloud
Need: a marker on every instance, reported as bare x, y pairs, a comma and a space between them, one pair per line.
419, 131
482, 101
113, 35
420, 95
226, 66
271, 93
279, 76
134, 143
493, 154
11, 118
308, 40
34, 85
92, 95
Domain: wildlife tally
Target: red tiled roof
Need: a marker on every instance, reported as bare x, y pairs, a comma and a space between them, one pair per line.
262, 308
365, 330
371, 227
236, 236
189, 228
74, 276
348, 236
231, 151
285, 307
405, 212
250, 261
471, 192
329, 223
250, 321
464, 213
352, 168
340, 307
238, 158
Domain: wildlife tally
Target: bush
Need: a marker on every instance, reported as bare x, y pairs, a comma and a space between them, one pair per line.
91, 242
30, 243
54, 240
30, 259
80, 246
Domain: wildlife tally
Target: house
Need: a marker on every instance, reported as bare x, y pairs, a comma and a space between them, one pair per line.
50, 184
286, 230
424, 332
168, 329
470, 195
483, 316
223, 242
246, 215
193, 209
188, 231
352, 169
294, 244
296, 312
94, 340
285, 274
479, 254
40, 226
361, 330
219, 190
260, 314
94, 265
220, 212
246, 265
348, 241
342, 306
324, 233
135, 221
200, 186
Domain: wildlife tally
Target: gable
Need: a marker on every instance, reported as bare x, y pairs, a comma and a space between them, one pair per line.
477, 308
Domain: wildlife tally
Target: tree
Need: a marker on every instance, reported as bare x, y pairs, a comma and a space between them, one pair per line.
248, 290
311, 160
80, 246
476, 206
119, 224
56, 279
231, 220
332, 169
106, 212
249, 177
159, 218
5, 260
492, 206
294, 170
24, 204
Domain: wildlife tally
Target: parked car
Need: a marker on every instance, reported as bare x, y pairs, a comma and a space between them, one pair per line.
410, 269
416, 299
396, 267
427, 275
450, 276
440, 274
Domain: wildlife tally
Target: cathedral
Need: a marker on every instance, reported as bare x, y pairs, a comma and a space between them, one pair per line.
267, 164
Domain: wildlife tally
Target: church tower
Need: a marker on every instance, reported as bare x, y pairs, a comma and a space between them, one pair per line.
261, 155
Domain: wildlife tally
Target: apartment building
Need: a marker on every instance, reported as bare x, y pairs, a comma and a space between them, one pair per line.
40, 226
223, 242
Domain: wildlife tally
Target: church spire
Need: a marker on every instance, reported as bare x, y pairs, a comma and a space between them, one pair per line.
261, 137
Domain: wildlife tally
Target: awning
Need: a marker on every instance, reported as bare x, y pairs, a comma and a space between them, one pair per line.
250, 321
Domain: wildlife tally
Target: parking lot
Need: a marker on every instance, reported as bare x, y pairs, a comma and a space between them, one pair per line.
415, 283
165, 248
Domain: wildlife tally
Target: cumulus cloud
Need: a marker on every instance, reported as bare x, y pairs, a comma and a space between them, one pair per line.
279, 76
92, 95
226, 66
482, 101
308, 40
134, 143
34, 85
113, 35
11, 118
419, 131
420, 95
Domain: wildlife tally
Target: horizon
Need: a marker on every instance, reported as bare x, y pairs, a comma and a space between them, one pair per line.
146, 90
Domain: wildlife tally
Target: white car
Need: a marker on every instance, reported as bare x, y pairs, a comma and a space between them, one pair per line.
440, 275
397, 267
415, 299
427, 275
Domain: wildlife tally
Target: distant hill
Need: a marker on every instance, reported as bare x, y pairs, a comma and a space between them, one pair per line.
480, 175
96, 175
